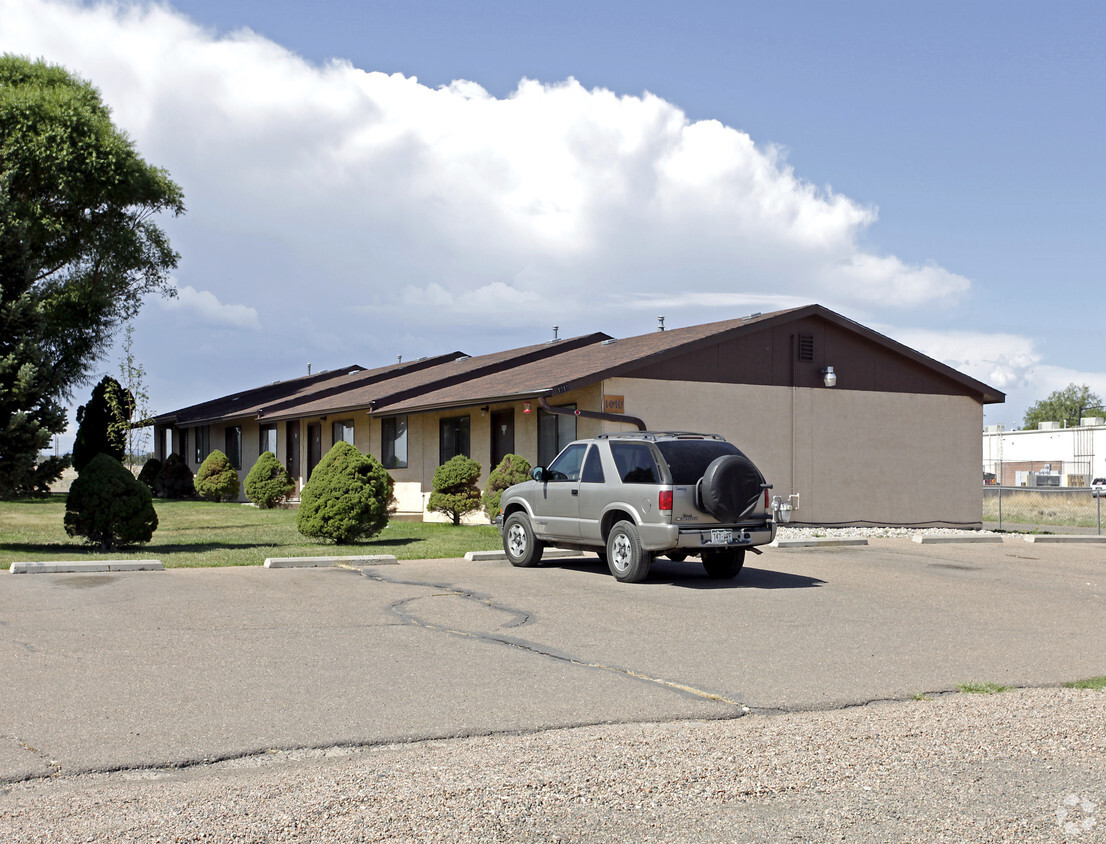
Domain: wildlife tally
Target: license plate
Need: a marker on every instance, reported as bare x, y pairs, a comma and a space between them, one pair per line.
721, 537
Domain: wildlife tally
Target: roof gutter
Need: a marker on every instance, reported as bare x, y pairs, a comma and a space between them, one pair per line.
379, 410
592, 414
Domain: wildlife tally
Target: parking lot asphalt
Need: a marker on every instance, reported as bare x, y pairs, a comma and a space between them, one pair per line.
129, 670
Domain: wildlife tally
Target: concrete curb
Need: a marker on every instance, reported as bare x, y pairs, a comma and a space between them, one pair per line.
817, 543
317, 562
549, 554
949, 540
96, 565
1070, 537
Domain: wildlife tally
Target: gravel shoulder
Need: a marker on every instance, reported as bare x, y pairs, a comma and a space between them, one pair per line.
1025, 765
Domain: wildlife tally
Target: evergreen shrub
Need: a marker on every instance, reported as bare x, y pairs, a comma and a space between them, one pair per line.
150, 470
268, 483
108, 506
102, 423
216, 479
346, 498
455, 493
512, 469
175, 479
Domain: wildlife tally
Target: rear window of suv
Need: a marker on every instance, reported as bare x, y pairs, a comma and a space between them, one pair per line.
635, 463
688, 459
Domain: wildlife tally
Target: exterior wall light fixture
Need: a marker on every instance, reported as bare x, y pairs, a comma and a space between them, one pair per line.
829, 377
526, 407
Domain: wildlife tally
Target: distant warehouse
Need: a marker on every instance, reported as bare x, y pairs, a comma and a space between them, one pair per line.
1052, 455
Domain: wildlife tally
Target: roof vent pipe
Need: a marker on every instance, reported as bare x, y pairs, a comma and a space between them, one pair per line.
660, 323
399, 358
556, 328
308, 369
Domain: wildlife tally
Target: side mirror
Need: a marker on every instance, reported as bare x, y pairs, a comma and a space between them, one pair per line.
537, 473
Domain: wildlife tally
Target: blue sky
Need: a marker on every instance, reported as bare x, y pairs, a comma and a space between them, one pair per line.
934, 171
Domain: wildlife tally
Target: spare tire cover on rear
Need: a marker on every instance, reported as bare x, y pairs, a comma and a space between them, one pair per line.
731, 487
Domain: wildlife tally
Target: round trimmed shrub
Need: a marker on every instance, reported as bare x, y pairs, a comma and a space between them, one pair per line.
455, 492
109, 506
150, 470
512, 469
346, 497
268, 483
216, 479
175, 479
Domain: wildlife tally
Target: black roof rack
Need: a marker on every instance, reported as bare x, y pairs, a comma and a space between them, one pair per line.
656, 435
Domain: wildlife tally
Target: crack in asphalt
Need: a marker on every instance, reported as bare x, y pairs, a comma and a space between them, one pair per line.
521, 618
52, 764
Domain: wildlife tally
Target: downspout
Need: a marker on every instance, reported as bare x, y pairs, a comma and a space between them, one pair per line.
592, 414
794, 354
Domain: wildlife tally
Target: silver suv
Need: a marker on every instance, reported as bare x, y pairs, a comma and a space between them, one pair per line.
631, 496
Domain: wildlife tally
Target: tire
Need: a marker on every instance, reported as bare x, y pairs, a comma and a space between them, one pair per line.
519, 544
724, 565
626, 559
731, 488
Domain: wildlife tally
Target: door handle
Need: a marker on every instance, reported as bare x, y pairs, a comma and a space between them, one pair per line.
575, 492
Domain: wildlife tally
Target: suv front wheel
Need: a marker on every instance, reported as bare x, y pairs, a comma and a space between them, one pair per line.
626, 559
519, 544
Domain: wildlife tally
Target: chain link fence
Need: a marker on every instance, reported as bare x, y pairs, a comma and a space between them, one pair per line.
1043, 509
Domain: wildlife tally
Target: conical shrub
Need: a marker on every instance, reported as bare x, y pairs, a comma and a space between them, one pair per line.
346, 497
175, 479
109, 506
268, 483
216, 479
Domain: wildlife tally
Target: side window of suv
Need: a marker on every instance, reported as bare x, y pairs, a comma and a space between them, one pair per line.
635, 463
567, 465
593, 467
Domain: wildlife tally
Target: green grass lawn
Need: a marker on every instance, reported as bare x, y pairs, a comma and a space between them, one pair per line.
198, 533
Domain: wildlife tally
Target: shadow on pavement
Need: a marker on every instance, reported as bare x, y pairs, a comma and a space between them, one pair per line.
691, 575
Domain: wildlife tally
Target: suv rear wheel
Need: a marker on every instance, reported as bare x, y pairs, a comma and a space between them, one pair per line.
724, 565
626, 559
519, 544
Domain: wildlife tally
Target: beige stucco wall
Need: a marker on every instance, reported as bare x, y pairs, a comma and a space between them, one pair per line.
850, 456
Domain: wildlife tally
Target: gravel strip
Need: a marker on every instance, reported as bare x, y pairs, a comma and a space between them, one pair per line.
790, 532
1026, 765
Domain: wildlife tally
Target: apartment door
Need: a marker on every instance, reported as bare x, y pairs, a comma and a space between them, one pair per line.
503, 435
314, 446
292, 450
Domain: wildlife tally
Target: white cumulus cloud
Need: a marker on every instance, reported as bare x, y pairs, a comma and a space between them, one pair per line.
206, 306
1004, 360
378, 190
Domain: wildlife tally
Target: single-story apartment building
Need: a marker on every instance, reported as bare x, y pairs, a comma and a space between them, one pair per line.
1053, 455
850, 426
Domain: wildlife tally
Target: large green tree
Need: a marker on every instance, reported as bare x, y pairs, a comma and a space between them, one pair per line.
1064, 406
79, 248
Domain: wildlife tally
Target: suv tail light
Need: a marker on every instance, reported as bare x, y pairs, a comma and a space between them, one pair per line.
664, 499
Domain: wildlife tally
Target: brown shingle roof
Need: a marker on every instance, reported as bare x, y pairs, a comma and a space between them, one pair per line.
246, 402
255, 401
593, 363
575, 369
455, 380
445, 375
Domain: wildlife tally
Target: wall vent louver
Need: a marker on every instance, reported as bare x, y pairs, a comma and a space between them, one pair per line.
806, 347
